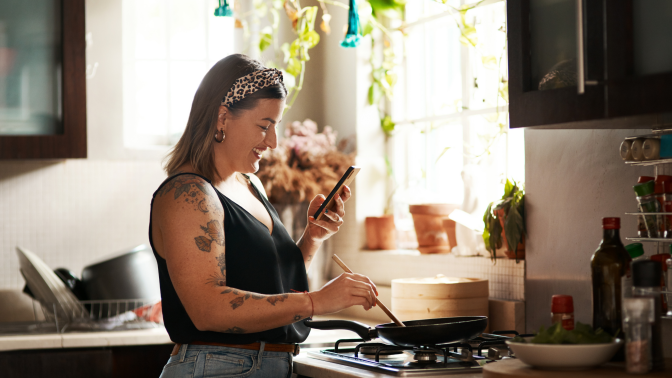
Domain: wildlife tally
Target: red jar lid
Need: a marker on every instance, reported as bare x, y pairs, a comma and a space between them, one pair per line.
611, 223
562, 304
643, 179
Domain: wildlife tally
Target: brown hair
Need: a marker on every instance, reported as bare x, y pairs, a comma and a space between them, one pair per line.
195, 145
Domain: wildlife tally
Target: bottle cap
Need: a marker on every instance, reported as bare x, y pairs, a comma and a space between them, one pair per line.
635, 250
646, 273
644, 188
611, 223
661, 258
643, 179
562, 303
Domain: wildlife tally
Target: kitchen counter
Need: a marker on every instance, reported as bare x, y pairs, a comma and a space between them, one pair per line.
152, 336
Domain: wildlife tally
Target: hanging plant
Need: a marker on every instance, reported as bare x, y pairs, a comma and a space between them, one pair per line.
224, 10
353, 35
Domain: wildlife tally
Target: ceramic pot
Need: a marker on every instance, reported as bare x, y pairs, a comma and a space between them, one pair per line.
449, 226
428, 223
520, 250
380, 232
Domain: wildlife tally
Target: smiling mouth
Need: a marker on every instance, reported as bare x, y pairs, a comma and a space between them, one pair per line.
257, 151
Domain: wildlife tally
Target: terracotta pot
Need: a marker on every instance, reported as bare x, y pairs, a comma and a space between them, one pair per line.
449, 225
380, 232
520, 250
428, 223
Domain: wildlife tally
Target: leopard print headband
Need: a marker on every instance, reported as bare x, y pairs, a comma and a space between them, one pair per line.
248, 84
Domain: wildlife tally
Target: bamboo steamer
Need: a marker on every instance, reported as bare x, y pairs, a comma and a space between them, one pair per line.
439, 297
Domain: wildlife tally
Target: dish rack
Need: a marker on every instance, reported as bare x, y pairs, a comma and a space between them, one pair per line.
103, 315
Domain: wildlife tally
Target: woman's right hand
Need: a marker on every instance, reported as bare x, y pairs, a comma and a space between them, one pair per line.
348, 289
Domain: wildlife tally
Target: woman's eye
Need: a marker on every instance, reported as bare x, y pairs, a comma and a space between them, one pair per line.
265, 128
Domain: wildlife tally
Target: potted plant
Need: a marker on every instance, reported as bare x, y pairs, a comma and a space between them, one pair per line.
505, 223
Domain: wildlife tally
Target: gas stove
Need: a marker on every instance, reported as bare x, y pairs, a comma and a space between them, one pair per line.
456, 358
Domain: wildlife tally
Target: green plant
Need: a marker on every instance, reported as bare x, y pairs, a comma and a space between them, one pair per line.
511, 209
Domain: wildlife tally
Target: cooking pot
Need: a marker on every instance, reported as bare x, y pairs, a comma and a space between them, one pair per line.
129, 275
426, 332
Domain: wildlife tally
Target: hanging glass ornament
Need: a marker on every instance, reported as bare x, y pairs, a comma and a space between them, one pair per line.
353, 36
224, 10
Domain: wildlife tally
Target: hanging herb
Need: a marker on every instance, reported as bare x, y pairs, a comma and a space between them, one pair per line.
224, 10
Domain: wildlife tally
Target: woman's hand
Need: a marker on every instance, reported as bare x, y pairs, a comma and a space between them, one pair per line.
320, 230
348, 289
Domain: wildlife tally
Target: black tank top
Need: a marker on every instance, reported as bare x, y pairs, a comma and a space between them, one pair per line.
256, 261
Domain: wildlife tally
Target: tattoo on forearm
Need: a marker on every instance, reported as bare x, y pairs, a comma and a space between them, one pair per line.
245, 295
218, 280
297, 317
215, 232
234, 330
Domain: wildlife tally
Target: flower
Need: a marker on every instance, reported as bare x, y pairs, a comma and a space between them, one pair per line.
304, 164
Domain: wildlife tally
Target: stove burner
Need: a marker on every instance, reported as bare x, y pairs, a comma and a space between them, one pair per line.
425, 356
376, 348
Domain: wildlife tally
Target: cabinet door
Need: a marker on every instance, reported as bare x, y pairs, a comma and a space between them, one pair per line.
42, 80
639, 57
544, 61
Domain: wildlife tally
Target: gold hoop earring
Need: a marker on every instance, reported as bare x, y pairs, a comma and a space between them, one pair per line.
219, 136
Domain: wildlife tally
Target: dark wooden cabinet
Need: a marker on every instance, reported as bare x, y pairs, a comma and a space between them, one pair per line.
609, 48
113, 362
69, 137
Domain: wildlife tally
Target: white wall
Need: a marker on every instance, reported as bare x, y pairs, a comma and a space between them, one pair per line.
574, 179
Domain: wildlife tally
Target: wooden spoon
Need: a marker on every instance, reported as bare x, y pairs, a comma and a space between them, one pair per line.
378, 302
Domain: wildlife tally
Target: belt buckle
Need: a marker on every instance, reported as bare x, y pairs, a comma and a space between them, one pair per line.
297, 350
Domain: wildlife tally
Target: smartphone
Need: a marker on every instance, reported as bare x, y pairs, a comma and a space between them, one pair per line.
346, 179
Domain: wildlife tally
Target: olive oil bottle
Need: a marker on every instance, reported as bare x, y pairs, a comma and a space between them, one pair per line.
610, 265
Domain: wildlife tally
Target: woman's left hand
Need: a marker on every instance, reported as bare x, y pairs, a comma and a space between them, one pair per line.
320, 230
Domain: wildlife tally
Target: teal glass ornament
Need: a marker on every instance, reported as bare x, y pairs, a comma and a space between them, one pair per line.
224, 10
353, 36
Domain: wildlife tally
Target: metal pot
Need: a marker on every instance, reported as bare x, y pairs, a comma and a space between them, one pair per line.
130, 275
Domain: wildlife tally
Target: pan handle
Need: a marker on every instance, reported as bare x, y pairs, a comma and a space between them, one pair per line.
360, 329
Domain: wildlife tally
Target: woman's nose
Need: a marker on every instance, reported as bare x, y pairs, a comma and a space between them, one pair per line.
272, 138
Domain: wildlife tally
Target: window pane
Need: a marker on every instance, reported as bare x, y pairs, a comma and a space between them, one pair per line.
187, 29
151, 90
184, 80
149, 23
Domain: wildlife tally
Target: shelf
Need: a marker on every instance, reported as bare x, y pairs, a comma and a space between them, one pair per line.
649, 162
661, 213
659, 240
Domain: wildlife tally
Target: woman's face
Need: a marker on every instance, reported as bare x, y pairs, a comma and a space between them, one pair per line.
248, 135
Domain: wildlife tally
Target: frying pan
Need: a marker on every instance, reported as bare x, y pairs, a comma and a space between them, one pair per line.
417, 333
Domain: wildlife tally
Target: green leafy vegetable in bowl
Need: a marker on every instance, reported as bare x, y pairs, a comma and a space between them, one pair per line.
581, 334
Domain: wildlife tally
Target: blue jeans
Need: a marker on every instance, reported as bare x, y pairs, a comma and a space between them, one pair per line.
197, 361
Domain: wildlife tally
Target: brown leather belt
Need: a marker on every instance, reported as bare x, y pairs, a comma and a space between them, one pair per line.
289, 348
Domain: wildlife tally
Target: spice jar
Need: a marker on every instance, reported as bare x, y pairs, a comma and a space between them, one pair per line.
659, 191
626, 153
662, 259
648, 204
562, 311
641, 223
646, 284
638, 316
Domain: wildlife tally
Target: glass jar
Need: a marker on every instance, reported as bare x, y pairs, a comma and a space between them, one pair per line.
648, 204
638, 316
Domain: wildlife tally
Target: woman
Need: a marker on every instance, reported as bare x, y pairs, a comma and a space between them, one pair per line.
233, 282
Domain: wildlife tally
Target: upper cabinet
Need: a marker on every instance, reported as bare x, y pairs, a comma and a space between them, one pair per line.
588, 60
42, 80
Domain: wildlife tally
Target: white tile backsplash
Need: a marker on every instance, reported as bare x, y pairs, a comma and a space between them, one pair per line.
72, 212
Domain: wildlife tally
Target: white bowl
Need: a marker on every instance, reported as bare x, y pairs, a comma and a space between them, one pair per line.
564, 356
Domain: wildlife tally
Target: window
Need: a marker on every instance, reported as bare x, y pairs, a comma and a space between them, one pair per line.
168, 46
452, 142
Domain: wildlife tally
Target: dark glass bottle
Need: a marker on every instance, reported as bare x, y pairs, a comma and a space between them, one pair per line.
609, 266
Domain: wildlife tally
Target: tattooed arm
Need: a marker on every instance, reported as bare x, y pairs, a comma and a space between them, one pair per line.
188, 232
